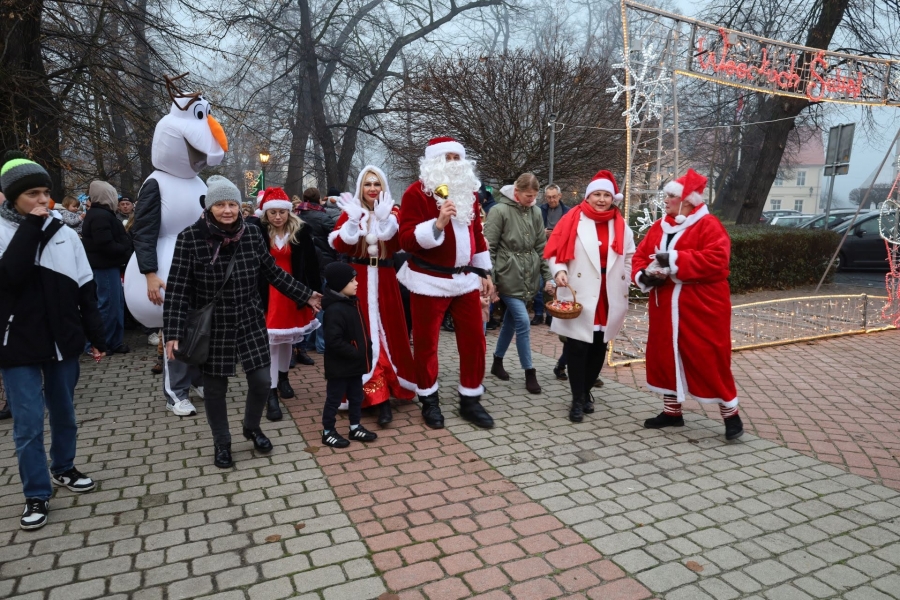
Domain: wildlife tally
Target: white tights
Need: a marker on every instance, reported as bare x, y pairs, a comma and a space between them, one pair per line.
281, 360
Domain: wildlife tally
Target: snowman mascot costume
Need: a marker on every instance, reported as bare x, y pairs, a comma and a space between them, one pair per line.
185, 141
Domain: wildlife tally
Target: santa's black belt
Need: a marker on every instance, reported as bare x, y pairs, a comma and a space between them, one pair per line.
423, 264
371, 261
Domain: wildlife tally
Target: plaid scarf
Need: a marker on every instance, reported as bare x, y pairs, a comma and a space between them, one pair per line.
308, 206
217, 237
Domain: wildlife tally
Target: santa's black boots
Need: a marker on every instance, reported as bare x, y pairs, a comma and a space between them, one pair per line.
734, 428
385, 415
471, 410
664, 420
431, 411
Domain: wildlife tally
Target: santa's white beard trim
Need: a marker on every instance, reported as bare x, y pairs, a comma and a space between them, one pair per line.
459, 177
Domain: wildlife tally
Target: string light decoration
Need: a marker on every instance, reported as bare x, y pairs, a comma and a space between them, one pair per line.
647, 88
768, 323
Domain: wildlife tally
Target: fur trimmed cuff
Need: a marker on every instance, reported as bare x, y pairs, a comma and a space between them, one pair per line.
471, 392
482, 260
425, 235
673, 262
350, 233
645, 289
386, 229
427, 391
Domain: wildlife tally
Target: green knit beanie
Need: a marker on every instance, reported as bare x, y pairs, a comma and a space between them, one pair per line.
19, 174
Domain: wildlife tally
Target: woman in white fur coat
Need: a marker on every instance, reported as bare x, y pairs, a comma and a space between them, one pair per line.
590, 252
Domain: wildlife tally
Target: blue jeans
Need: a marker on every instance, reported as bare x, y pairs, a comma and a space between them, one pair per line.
539, 300
27, 400
515, 321
111, 302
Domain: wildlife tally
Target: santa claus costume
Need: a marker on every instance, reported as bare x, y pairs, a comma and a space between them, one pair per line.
291, 245
366, 237
683, 264
448, 267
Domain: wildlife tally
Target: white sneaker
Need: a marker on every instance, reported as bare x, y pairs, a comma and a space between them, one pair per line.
198, 391
344, 405
153, 339
182, 408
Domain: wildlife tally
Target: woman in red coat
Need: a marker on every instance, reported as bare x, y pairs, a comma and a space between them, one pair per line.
366, 237
683, 264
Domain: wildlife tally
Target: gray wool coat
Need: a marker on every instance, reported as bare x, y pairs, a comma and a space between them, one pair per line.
239, 322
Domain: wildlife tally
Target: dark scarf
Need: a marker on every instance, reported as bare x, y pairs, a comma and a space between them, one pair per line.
308, 206
562, 242
9, 212
218, 237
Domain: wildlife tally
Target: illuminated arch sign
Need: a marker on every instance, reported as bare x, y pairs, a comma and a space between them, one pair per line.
744, 60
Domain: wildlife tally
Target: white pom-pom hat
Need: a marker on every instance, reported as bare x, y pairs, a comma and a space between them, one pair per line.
689, 187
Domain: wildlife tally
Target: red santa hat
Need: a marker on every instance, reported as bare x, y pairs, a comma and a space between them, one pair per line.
273, 197
604, 181
444, 145
688, 187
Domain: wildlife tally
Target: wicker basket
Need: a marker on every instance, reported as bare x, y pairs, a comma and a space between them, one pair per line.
558, 313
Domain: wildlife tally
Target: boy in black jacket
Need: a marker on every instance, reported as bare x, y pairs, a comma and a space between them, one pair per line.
348, 354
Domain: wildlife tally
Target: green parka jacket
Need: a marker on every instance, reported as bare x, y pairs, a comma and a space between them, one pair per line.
517, 238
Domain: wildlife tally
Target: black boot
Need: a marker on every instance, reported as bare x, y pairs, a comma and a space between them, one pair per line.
492, 324
664, 420
471, 410
497, 369
384, 413
734, 427
284, 386
273, 408
5, 413
303, 358
560, 372
588, 405
531, 382
260, 441
431, 411
576, 411
447, 325
222, 456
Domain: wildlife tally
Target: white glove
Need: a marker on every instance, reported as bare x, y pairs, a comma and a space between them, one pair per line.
383, 206
351, 206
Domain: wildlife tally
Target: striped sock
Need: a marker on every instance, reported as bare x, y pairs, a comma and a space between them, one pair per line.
728, 412
671, 405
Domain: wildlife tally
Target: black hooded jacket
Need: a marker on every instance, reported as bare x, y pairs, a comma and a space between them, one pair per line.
348, 348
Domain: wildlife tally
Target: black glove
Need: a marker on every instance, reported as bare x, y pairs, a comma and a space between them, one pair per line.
663, 259
649, 280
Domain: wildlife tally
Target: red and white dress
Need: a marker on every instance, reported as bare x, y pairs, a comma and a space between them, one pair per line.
393, 370
285, 321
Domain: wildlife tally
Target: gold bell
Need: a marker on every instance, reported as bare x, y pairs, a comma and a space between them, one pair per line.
442, 190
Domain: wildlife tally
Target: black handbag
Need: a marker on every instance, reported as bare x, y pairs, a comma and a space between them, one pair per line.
194, 348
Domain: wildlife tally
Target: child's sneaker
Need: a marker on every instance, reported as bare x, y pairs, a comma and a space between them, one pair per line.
334, 439
361, 434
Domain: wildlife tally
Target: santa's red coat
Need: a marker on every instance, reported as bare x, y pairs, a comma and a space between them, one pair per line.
457, 246
689, 343
381, 303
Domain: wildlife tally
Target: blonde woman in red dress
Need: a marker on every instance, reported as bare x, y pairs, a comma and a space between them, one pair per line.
291, 245
366, 237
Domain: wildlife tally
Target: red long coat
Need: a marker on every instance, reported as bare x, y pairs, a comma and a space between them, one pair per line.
380, 301
689, 344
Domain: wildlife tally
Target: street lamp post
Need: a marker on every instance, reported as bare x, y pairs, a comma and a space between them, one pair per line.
263, 160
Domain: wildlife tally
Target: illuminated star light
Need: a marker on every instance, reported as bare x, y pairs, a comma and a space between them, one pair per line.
647, 89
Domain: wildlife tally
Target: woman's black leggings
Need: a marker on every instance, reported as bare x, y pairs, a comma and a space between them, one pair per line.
214, 389
585, 361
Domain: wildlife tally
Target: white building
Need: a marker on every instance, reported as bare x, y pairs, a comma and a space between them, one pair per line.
799, 182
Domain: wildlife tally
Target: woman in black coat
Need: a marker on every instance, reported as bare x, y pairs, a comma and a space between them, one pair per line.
202, 254
108, 248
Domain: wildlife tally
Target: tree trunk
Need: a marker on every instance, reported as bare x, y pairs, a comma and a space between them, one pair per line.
300, 130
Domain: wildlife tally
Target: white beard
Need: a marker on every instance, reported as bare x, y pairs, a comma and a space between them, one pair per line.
459, 177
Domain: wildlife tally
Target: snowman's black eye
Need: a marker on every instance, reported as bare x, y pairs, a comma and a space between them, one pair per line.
199, 112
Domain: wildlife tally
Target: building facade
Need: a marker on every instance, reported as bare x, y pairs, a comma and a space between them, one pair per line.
800, 180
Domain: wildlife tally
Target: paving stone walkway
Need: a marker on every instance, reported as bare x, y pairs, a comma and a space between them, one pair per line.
537, 508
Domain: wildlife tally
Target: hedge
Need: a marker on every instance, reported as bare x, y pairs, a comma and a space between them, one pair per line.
765, 257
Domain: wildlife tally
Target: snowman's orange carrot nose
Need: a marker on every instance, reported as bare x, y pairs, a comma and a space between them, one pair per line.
218, 132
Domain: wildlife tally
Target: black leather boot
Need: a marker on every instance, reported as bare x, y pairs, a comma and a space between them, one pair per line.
531, 382
663, 420
222, 456
273, 408
303, 358
497, 369
284, 386
588, 404
471, 410
431, 411
734, 427
260, 441
576, 411
384, 413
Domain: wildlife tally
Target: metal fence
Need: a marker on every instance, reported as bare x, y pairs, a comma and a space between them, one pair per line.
769, 323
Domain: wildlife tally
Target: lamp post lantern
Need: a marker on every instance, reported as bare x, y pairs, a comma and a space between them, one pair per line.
263, 161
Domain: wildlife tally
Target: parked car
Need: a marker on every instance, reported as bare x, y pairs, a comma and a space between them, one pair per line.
768, 215
790, 220
836, 217
864, 247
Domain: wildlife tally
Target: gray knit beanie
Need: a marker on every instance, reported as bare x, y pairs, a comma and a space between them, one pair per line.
220, 189
19, 174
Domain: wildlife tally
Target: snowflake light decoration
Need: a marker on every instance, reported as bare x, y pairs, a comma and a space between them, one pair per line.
647, 220
647, 88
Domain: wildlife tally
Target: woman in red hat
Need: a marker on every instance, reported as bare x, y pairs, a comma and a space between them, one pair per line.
366, 237
291, 245
590, 252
